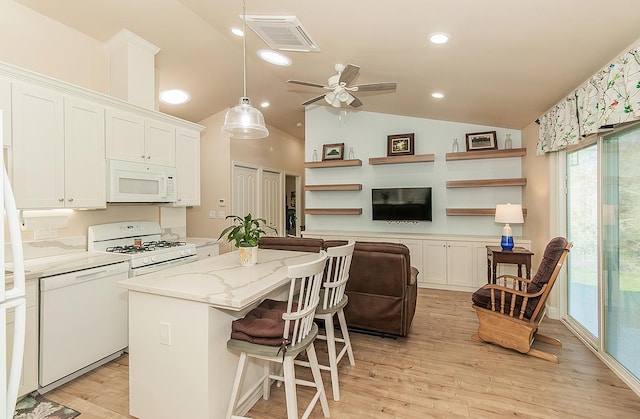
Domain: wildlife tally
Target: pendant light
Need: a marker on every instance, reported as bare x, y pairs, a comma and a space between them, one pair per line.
243, 120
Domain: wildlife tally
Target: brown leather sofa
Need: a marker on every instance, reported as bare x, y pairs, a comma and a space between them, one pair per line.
382, 288
382, 284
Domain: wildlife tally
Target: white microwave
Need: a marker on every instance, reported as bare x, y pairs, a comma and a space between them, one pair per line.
140, 182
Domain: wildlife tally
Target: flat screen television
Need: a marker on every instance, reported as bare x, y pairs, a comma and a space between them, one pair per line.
401, 204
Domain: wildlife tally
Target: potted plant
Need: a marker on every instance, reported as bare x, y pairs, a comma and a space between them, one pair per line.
245, 233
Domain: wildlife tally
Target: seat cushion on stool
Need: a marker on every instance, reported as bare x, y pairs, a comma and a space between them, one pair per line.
263, 325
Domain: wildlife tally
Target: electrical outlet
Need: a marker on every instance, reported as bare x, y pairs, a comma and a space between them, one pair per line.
212, 214
165, 333
222, 202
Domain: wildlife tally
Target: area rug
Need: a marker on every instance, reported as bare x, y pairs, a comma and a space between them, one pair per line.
36, 406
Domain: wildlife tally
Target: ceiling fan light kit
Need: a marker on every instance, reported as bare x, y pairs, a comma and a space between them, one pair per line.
340, 88
243, 121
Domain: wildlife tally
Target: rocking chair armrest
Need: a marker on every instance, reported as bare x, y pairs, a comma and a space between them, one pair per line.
509, 306
515, 292
516, 281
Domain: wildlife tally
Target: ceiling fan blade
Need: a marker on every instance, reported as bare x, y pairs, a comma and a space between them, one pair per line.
349, 74
356, 103
306, 83
315, 99
370, 87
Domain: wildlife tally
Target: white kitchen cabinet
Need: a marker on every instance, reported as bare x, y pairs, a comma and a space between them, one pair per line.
187, 167
58, 150
124, 136
5, 107
29, 378
448, 264
160, 143
38, 146
208, 250
134, 138
84, 151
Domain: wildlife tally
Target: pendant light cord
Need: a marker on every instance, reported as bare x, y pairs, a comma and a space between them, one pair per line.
244, 48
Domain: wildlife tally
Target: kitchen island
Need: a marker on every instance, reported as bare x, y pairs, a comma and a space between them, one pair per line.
179, 323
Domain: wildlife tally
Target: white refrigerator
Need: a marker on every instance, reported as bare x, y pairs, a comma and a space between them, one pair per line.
12, 298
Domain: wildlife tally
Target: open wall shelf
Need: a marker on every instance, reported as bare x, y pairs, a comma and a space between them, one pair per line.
478, 183
419, 158
487, 154
339, 187
476, 211
332, 163
333, 211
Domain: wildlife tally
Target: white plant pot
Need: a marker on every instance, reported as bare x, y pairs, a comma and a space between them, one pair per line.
248, 255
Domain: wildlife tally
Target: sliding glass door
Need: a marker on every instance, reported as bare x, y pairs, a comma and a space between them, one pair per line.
621, 247
582, 226
603, 269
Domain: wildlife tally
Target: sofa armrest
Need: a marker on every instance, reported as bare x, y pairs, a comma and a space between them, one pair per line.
413, 279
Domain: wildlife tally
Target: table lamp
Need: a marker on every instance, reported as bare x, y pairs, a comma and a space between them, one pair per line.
508, 214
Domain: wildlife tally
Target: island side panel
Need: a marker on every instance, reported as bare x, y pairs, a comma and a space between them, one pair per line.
190, 377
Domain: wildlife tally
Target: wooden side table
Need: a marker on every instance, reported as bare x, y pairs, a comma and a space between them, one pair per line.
517, 256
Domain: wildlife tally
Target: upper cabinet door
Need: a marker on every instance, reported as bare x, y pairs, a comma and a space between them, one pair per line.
124, 136
38, 147
160, 143
188, 167
85, 177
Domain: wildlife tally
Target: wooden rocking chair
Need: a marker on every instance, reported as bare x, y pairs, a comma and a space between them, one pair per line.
511, 310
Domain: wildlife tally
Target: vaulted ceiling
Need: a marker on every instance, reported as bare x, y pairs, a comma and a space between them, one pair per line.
507, 61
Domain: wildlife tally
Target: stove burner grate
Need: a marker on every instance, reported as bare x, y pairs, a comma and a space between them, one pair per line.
144, 247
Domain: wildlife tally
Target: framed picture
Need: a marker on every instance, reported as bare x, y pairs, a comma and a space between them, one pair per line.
482, 141
333, 151
400, 145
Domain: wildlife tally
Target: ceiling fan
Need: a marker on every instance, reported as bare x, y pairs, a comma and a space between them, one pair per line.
340, 90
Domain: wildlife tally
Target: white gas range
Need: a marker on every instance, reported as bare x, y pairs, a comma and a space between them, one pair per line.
142, 241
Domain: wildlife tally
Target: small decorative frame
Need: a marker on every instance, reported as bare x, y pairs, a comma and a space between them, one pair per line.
482, 141
400, 145
333, 151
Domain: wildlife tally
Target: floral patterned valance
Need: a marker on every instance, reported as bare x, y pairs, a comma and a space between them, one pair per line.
611, 96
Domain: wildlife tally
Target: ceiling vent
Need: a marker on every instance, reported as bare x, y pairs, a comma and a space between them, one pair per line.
282, 32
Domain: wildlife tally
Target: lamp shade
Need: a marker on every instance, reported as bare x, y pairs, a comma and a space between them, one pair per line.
243, 121
509, 214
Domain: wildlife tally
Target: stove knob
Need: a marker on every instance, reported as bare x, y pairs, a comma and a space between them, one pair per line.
145, 260
154, 258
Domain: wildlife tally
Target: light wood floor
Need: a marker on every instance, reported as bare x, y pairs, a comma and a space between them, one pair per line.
438, 371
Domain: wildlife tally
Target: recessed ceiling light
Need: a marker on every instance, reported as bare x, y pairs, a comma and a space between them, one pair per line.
437, 95
175, 96
265, 104
439, 38
274, 57
237, 32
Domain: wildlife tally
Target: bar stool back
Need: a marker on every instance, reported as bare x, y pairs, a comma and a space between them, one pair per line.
298, 335
332, 302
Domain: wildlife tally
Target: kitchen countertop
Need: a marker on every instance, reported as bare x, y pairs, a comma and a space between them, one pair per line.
201, 241
55, 265
220, 281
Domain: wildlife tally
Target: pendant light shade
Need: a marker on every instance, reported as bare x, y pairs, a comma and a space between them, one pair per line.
243, 121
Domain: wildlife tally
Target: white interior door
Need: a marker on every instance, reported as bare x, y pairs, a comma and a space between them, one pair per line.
272, 200
244, 190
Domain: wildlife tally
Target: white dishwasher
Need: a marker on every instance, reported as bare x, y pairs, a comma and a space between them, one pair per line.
83, 322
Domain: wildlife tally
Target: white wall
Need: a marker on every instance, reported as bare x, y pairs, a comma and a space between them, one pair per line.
367, 133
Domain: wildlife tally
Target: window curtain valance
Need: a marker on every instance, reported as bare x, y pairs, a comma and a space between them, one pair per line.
610, 97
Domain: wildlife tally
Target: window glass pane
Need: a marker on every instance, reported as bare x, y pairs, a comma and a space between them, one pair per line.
582, 224
621, 263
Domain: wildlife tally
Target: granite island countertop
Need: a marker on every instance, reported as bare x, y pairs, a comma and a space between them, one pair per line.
221, 281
